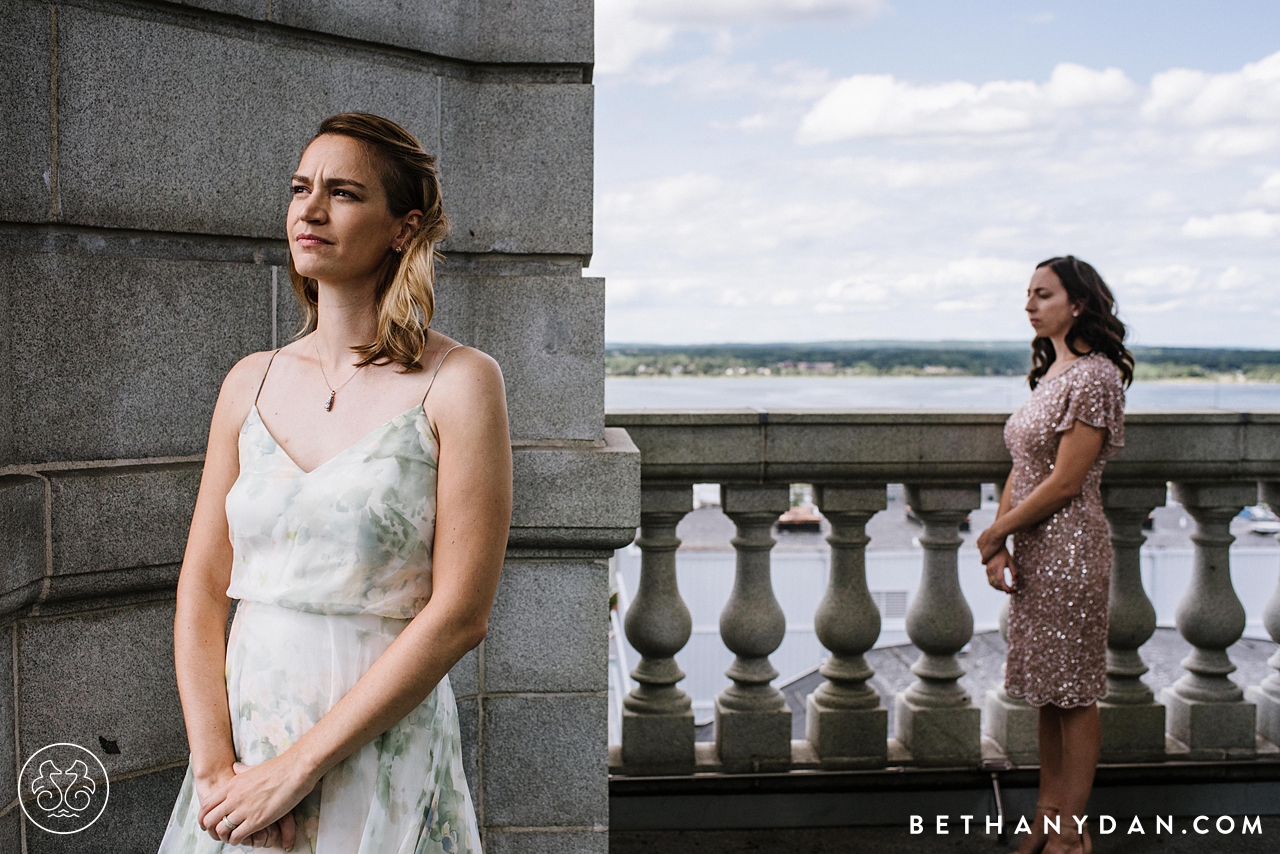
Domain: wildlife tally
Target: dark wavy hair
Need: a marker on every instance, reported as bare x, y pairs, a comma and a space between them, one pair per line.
1097, 326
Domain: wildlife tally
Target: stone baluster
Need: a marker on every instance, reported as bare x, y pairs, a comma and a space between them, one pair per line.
846, 724
1012, 723
1207, 712
753, 721
1133, 723
1267, 695
657, 718
935, 717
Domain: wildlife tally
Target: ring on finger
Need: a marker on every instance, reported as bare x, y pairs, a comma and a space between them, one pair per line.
229, 823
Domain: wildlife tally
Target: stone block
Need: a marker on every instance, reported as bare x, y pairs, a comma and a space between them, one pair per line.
1132, 732
848, 738
108, 674
469, 728
946, 736
545, 761
137, 372
666, 498
25, 68
937, 498
591, 494
594, 841
1211, 730
11, 831
658, 744
8, 757
1215, 493
737, 498
464, 678
837, 498
549, 628
149, 139
516, 166
559, 31
753, 741
547, 335
107, 524
1268, 713
134, 819
525, 31
22, 543
1015, 727
1133, 496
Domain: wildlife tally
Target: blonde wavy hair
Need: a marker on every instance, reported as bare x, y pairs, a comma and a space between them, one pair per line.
406, 283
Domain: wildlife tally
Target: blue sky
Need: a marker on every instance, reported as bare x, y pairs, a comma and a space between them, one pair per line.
792, 170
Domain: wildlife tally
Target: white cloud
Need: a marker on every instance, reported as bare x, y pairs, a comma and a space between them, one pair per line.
1256, 224
1235, 279
1143, 282
870, 105
1251, 94
629, 29
900, 174
1268, 194
695, 214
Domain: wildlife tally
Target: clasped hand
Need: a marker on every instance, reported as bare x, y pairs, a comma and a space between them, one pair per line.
995, 554
259, 801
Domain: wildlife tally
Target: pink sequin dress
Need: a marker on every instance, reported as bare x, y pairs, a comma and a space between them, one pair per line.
1058, 614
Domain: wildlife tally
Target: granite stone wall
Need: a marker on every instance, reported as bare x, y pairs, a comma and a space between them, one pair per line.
145, 148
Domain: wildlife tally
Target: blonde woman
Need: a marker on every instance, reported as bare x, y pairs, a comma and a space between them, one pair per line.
355, 500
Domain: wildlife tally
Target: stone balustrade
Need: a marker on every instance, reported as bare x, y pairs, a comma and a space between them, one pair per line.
1216, 462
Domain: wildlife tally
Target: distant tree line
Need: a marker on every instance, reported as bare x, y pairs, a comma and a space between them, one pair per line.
893, 358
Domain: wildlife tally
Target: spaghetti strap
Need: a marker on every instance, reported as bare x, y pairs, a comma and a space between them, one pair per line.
264, 377
439, 365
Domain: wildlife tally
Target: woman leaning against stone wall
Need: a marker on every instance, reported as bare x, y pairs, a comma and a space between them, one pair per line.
1058, 573
355, 498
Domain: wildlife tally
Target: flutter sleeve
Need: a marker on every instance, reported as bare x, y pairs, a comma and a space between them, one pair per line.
1096, 397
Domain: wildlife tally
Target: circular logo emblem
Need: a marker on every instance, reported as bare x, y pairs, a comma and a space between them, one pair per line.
63, 788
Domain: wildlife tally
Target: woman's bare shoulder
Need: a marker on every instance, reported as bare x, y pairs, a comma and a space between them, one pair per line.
468, 378
239, 388
246, 374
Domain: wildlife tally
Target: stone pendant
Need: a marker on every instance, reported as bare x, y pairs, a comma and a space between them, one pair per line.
328, 407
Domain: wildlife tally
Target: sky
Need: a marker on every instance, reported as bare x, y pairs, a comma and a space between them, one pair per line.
817, 170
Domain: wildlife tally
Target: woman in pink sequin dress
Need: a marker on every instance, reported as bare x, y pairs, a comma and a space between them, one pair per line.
1058, 574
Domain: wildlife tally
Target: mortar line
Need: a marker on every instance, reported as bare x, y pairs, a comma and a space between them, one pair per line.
38, 469
17, 742
48, 555
275, 291
55, 206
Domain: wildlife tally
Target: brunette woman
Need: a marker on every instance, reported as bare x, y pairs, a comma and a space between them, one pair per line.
1059, 571
355, 500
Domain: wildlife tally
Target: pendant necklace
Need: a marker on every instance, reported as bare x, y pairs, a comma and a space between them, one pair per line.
333, 392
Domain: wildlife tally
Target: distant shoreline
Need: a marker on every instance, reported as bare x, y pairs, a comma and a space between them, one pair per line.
1225, 379
920, 359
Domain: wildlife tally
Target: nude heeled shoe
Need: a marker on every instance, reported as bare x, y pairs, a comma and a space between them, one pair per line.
1037, 826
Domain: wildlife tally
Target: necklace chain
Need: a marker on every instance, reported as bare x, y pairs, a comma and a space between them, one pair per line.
333, 392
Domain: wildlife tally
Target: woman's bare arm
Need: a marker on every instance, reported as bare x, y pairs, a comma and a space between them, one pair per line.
473, 514
1078, 450
200, 621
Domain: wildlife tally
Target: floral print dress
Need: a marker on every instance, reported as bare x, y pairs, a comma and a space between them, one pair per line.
329, 566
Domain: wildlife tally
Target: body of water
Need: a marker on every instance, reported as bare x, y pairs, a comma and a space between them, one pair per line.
1001, 393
